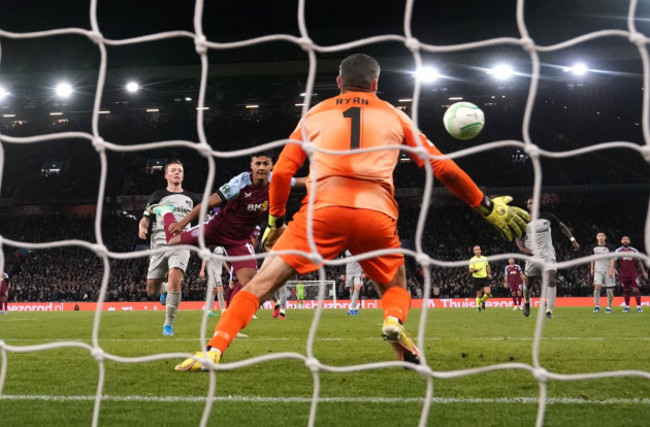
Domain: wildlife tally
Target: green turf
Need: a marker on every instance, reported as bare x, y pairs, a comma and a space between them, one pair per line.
57, 386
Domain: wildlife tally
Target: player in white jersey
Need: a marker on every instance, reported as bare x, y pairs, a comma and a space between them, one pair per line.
170, 265
539, 242
353, 272
603, 271
215, 282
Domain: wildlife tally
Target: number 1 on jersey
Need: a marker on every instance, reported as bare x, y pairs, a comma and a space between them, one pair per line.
354, 114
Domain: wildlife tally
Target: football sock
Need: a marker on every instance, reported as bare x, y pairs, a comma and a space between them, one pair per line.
168, 219
551, 293
637, 297
234, 292
240, 312
222, 301
596, 297
610, 296
210, 301
283, 298
173, 301
478, 301
485, 297
354, 299
514, 300
526, 294
626, 297
396, 302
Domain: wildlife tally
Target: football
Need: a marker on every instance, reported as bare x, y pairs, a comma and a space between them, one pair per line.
464, 120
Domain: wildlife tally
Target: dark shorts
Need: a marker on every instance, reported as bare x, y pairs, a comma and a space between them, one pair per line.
516, 287
480, 282
629, 282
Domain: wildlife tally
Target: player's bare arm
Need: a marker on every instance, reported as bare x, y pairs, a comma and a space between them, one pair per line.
177, 228
202, 272
300, 182
143, 227
644, 273
565, 230
522, 247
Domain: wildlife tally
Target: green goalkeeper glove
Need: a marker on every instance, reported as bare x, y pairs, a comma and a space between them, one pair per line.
507, 219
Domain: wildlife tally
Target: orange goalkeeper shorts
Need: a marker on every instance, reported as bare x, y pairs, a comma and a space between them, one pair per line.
338, 228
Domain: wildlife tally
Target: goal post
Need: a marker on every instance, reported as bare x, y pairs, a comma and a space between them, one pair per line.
311, 289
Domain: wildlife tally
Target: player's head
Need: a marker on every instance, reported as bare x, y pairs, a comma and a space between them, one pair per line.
511, 261
261, 165
358, 72
529, 204
174, 172
477, 250
601, 238
625, 241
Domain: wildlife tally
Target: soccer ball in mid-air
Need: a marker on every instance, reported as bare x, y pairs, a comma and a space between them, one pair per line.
464, 120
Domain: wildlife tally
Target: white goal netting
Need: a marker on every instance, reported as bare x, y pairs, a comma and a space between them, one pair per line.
416, 48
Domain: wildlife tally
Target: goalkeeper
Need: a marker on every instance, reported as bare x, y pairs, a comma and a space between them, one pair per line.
354, 206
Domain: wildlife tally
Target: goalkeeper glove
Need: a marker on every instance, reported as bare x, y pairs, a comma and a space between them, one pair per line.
276, 221
273, 232
507, 219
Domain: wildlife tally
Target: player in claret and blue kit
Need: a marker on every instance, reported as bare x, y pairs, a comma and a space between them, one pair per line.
628, 273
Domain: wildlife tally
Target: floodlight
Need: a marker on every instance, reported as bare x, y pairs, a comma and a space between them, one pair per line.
63, 90
132, 87
579, 69
3, 93
427, 74
501, 72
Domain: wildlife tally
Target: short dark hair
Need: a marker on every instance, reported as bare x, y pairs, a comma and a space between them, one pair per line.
173, 162
266, 153
358, 71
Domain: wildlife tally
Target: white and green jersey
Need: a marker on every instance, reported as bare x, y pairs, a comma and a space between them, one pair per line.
183, 204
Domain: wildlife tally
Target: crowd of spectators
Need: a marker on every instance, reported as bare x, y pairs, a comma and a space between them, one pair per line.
74, 273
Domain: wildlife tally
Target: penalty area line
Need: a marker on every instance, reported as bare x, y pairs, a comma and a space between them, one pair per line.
272, 399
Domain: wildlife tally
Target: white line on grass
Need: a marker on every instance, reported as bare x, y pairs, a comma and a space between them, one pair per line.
167, 340
272, 399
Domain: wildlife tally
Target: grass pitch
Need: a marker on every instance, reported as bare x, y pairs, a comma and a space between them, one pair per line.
57, 386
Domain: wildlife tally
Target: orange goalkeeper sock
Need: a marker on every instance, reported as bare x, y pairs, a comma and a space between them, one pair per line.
240, 311
396, 302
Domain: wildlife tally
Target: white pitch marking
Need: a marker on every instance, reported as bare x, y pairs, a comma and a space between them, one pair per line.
270, 399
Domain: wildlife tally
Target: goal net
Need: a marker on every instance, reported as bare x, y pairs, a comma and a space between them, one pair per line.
104, 353
311, 292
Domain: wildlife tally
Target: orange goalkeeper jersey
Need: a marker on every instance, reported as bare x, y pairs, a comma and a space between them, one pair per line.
359, 180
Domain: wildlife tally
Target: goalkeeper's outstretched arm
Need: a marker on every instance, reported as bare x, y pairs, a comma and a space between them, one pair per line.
510, 221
